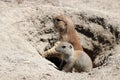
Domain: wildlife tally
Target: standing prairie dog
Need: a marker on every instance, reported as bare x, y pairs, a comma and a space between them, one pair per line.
76, 59
66, 29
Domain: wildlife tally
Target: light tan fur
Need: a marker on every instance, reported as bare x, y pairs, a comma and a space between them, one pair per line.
76, 59
52, 51
66, 29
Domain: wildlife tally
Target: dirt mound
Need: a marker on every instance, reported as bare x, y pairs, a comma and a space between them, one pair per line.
26, 29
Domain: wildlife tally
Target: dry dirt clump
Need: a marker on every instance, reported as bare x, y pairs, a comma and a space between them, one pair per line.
26, 29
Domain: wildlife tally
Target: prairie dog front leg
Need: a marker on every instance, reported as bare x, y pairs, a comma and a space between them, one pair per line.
68, 67
51, 51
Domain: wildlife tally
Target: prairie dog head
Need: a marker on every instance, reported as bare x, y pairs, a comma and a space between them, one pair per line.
65, 48
62, 24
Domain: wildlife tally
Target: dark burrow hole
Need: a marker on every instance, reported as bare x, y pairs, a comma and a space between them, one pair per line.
57, 62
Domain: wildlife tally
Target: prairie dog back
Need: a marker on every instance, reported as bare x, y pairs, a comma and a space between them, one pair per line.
83, 62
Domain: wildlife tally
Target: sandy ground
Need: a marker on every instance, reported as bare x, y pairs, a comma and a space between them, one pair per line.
26, 29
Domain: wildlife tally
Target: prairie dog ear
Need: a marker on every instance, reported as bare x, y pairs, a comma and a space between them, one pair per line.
70, 46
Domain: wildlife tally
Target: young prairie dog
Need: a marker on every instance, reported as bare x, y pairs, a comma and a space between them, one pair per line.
76, 59
66, 29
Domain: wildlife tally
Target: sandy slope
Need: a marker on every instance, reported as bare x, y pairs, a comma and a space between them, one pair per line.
26, 28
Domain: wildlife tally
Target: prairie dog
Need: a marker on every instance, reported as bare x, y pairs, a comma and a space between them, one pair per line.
66, 29
76, 59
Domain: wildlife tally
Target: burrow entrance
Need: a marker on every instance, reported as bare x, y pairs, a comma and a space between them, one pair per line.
98, 40
97, 35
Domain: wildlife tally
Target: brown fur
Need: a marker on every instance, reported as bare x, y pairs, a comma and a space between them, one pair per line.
65, 26
66, 29
76, 59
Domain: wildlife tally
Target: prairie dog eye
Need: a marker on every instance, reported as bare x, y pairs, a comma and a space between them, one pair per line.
63, 46
58, 20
